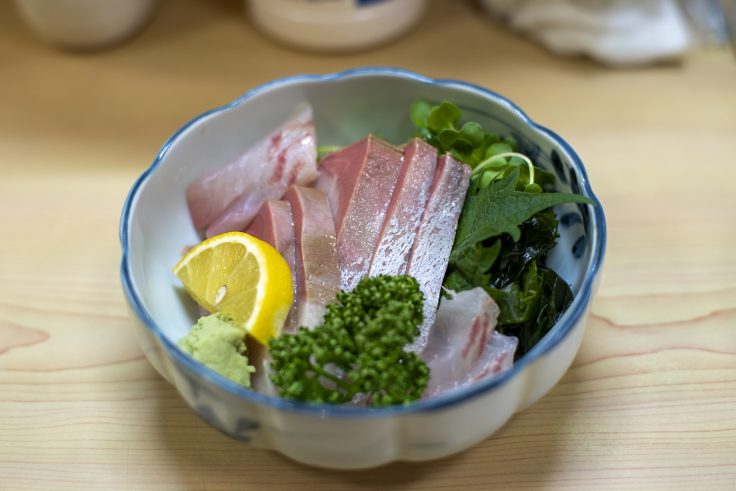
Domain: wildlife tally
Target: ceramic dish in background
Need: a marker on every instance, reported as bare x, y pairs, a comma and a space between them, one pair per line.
155, 226
85, 24
336, 26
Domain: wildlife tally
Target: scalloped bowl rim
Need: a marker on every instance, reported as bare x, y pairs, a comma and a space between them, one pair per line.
558, 332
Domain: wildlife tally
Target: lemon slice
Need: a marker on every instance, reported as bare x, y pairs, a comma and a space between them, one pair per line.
241, 277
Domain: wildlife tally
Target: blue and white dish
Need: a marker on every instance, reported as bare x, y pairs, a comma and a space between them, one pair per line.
155, 226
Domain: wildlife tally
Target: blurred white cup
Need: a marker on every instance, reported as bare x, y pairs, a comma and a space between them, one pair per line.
85, 23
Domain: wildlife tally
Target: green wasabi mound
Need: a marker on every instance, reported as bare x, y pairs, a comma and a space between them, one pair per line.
217, 343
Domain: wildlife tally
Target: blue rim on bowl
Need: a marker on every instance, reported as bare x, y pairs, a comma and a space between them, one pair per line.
558, 332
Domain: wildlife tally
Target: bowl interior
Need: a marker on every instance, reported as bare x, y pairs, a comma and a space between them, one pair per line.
156, 224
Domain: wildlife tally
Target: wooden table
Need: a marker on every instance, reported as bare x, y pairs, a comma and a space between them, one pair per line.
650, 401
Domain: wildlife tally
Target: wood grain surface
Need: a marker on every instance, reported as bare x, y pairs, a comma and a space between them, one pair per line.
650, 402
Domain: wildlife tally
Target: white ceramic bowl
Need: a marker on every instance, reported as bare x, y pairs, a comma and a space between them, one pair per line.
155, 225
81, 24
335, 26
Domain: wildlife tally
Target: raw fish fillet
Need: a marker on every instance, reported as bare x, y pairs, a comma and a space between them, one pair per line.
463, 346
228, 198
274, 224
327, 182
316, 264
430, 253
496, 358
360, 179
405, 210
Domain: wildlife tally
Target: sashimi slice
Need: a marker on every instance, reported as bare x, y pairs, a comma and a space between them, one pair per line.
274, 224
327, 182
405, 210
364, 175
496, 358
463, 346
430, 253
228, 198
316, 263
459, 335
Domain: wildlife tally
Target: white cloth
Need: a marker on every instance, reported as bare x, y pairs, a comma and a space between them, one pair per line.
615, 32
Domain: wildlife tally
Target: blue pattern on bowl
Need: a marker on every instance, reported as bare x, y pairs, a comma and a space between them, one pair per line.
570, 218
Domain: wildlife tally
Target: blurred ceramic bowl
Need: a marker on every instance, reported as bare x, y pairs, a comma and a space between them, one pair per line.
155, 225
335, 26
82, 24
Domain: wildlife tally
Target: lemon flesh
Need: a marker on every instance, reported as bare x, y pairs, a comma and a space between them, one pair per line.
241, 277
